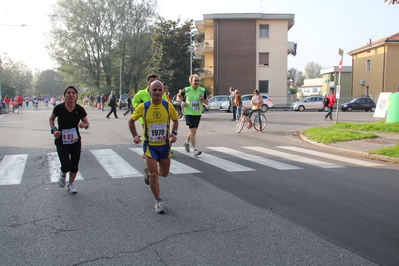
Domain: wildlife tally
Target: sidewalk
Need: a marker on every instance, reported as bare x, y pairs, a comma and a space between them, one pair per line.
362, 147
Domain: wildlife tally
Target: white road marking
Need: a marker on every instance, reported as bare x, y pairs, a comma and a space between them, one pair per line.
115, 165
12, 169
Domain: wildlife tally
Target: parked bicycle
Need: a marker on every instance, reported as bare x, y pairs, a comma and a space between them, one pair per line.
253, 122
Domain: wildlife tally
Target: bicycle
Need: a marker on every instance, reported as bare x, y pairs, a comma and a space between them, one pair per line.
254, 122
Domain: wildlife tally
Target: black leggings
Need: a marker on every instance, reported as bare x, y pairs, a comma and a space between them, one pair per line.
69, 155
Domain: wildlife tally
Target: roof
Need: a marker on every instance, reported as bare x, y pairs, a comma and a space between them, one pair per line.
256, 16
389, 39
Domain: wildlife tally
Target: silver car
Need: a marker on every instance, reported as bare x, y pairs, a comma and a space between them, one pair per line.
216, 101
246, 102
309, 103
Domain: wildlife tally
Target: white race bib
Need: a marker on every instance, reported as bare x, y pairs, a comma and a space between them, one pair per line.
157, 132
195, 105
69, 136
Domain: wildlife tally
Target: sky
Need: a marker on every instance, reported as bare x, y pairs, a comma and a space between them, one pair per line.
321, 26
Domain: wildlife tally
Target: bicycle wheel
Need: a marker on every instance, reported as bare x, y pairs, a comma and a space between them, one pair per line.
256, 122
240, 124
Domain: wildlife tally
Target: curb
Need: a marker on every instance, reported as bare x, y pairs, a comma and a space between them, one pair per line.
357, 153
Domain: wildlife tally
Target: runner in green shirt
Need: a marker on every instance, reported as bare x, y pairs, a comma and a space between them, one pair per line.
144, 94
195, 97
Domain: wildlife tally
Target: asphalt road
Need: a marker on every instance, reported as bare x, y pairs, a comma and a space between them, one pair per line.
333, 211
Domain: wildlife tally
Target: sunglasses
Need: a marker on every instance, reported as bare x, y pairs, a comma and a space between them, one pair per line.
154, 90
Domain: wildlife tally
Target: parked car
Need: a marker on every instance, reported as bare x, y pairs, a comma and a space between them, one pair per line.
309, 103
365, 104
246, 102
123, 101
216, 101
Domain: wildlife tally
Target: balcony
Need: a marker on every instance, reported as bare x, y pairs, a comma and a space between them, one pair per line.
207, 72
203, 47
291, 48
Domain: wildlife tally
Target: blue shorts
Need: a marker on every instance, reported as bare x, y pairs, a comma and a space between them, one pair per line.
157, 152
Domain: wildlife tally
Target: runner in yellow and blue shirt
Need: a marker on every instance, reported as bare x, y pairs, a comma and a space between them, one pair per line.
195, 97
156, 114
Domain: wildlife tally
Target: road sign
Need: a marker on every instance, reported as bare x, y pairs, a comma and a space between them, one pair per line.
341, 52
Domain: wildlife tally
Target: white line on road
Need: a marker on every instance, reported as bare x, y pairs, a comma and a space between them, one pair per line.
54, 166
256, 159
175, 166
115, 165
331, 156
12, 169
216, 161
293, 157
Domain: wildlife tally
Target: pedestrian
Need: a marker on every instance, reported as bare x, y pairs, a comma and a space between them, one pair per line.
53, 101
256, 102
112, 102
7, 102
35, 102
167, 92
27, 99
129, 105
98, 100
331, 101
195, 97
20, 101
156, 114
232, 107
103, 100
70, 117
238, 104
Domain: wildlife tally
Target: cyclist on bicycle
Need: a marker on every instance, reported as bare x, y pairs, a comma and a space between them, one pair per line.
257, 101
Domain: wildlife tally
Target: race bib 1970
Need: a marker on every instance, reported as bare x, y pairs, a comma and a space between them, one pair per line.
158, 132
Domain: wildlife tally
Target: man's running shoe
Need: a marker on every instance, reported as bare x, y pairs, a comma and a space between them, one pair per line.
72, 189
146, 175
159, 207
61, 180
197, 152
187, 146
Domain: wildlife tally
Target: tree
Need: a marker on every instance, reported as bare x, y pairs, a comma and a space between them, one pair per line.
90, 36
50, 82
393, 2
312, 70
171, 57
300, 79
16, 78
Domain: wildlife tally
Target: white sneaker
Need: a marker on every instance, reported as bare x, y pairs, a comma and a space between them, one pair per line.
72, 189
187, 146
197, 152
159, 207
61, 180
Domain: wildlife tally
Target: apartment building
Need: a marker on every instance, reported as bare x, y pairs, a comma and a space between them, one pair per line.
330, 79
246, 51
375, 67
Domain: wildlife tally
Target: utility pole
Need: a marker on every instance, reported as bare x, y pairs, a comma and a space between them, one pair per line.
338, 90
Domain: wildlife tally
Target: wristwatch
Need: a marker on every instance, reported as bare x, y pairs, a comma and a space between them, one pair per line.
174, 132
53, 129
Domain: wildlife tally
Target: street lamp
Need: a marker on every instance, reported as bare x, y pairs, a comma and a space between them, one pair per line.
120, 76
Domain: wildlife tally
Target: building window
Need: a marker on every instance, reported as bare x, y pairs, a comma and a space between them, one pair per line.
264, 31
368, 65
264, 59
263, 86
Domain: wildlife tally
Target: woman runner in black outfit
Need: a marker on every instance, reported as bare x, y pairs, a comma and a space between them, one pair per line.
71, 117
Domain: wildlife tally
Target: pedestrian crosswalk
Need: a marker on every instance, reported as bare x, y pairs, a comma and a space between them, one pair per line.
12, 167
